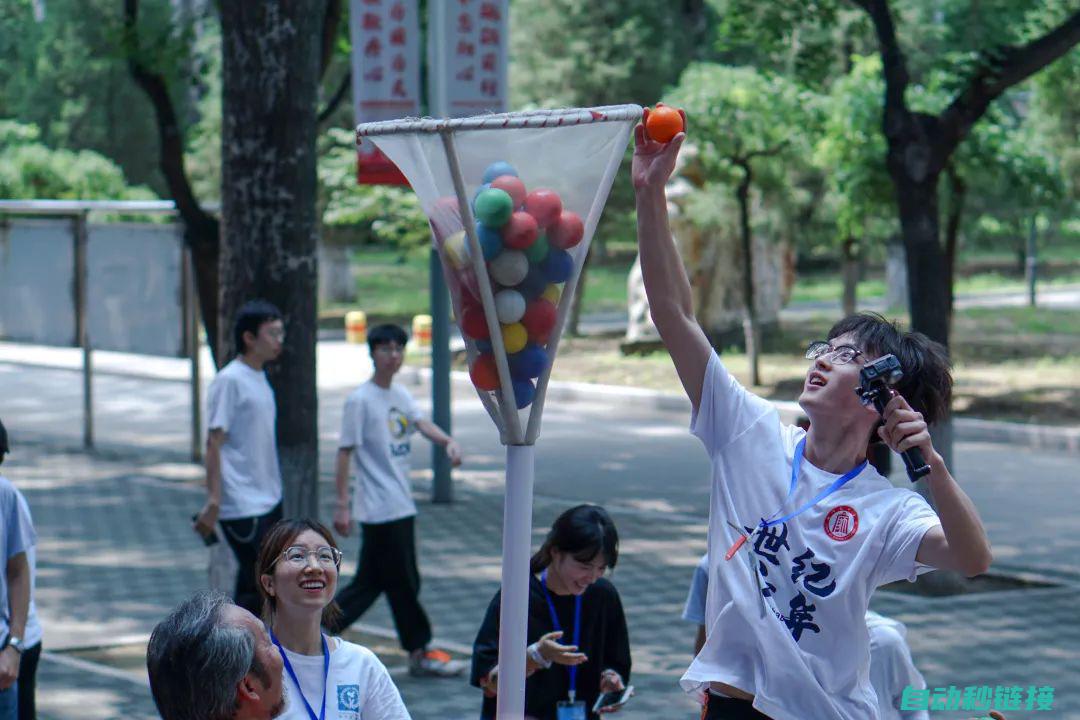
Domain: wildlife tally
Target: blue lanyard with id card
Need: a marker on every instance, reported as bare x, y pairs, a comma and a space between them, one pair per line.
296, 681
570, 709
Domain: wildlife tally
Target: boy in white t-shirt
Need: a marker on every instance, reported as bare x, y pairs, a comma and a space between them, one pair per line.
379, 418
891, 667
243, 479
17, 540
810, 528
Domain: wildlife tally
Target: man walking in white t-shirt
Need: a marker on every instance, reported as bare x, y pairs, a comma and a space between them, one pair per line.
243, 480
17, 538
378, 420
801, 529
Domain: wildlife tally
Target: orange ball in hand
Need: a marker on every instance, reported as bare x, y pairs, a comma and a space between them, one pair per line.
664, 123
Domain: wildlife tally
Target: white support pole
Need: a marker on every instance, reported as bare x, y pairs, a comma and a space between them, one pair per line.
514, 610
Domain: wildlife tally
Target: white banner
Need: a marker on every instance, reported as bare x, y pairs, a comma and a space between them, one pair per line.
467, 57
385, 37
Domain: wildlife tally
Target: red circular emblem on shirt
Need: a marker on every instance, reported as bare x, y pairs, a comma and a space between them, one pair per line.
842, 523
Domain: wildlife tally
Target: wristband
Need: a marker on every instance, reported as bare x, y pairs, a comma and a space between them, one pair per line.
533, 651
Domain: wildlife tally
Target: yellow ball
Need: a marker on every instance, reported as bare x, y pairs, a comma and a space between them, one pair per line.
456, 250
552, 293
515, 336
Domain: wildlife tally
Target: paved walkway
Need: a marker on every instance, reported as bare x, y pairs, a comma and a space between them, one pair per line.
116, 554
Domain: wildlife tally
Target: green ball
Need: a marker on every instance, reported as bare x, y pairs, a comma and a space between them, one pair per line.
493, 207
538, 250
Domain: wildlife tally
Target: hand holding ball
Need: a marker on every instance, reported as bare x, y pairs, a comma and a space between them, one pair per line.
664, 123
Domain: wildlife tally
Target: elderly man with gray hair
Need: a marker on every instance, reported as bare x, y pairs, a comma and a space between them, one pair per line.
212, 660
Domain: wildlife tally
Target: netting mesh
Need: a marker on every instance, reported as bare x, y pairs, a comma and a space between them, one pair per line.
513, 201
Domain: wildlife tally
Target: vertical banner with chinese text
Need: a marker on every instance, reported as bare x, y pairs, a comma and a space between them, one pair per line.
385, 37
467, 57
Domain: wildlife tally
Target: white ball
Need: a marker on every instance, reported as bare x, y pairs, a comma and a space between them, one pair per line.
509, 268
456, 250
509, 306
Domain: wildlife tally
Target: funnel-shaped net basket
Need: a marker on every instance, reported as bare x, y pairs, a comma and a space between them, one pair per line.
513, 201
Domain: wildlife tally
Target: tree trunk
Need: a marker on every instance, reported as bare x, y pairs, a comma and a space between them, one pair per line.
957, 195
750, 324
575, 310
928, 290
851, 275
270, 75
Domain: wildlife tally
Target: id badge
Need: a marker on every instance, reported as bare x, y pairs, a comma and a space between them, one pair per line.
567, 710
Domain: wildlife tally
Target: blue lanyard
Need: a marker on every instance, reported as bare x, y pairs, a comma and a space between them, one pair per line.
558, 627
796, 465
292, 674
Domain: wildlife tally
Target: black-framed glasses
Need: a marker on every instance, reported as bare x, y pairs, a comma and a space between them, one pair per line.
839, 355
298, 555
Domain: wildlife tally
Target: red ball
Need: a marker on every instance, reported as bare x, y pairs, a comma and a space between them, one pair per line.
545, 206
484, 373
664, 123
521, 231
567, 232
539, 320
512, 186
473, 322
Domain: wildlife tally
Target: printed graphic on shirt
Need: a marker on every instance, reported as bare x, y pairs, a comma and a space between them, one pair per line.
399, 432
841, 523
812, 576
348, 701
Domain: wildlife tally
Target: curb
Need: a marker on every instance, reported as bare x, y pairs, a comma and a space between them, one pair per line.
1035, 437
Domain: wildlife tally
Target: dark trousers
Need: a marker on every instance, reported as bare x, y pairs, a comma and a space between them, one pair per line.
722, 708
388, 565
27, 678
245, 536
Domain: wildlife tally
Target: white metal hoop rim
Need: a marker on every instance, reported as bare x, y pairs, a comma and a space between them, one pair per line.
509, 121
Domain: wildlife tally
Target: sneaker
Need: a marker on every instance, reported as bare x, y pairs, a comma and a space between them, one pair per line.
434, 663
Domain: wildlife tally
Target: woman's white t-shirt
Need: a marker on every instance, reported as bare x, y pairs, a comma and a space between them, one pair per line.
358, 687
794, 636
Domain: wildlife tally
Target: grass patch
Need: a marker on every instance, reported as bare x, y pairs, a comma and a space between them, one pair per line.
829, 288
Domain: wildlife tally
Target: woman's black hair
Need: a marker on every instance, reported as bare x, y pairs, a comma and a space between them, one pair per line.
584, 532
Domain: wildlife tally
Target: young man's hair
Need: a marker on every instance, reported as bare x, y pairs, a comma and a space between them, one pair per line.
927, 381
249, 318
388, 333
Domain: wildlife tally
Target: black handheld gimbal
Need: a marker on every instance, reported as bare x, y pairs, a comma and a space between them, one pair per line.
876, 382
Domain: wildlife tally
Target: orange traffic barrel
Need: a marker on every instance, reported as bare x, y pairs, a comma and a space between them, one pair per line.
421, 331
356, 326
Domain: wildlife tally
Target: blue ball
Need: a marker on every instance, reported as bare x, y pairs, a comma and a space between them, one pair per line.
483, 346
490, 240
529, 363
524, 392
534, 283
497, 169
558, 265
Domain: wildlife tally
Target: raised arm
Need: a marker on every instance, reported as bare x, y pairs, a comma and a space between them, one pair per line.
662, 271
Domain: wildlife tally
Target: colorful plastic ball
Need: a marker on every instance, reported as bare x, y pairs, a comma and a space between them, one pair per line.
493, 207
490, 239
484, 373
483, 346
473, 322
509, 268
664, 123
529, 363
545, 206
524, 392
513, 186
514, 337
482, 188
456, 250
521, 231
552, 293
558, 265
533, 284
539, 320
538, 250
509, 306
567, 231
445, 216
498, 168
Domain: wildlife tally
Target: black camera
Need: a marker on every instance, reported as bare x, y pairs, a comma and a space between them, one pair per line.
876, 381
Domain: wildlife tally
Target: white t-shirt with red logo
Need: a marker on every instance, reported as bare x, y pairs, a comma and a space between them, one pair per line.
785, 621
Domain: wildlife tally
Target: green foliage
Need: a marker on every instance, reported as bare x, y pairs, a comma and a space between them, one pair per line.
378, 214
31, 171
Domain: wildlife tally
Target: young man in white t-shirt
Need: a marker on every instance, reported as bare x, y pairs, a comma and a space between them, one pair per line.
891, 667
811, 530
379, 418
17, 538
243, 480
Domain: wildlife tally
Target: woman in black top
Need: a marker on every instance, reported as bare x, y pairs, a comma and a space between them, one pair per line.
567, 571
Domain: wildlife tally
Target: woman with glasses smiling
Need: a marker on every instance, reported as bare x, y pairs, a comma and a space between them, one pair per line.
326, 678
